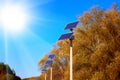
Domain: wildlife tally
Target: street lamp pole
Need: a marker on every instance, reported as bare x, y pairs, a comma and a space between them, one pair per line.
45, 76
51, 73
44, 71
51, 56
70, 36
71, 67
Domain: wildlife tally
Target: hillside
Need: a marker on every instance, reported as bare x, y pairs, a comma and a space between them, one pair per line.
6, 73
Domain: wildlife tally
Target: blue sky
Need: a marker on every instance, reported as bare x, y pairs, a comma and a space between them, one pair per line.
47, 21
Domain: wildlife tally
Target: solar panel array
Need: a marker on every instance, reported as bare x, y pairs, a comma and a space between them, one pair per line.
66, 36
71, 25
51, 56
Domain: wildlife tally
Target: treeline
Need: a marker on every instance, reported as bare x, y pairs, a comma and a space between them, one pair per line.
96, 48
6, 73
33, 78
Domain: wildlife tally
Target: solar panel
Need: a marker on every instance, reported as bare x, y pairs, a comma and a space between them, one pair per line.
46, 66
71, 25
51, 56
66, 36
44, 70
49, 62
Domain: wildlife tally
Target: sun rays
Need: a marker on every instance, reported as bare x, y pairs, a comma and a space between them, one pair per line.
22, 47
21, 53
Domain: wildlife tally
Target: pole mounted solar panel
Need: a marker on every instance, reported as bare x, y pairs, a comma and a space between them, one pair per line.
71, 25
49, 62
46, 66
44, 70
51, 56
66, 36
70, 36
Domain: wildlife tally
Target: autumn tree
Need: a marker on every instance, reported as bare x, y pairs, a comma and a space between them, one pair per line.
96, 47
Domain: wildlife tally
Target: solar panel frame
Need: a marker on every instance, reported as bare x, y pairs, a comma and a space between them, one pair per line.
51, 56
71, 25
66, 36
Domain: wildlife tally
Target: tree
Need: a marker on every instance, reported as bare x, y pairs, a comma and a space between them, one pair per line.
96, 47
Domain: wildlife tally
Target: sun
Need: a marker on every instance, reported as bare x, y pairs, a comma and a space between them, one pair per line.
13, 18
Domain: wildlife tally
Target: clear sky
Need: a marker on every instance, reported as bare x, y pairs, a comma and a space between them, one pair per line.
46, 22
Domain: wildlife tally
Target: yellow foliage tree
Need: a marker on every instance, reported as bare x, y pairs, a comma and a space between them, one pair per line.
96, 48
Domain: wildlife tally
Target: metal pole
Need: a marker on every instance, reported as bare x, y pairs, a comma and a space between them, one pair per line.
45, 76
51, 74
71, 75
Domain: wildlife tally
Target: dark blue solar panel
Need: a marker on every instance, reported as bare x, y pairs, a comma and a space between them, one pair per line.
51, 56
49, 62
71, 25
66, 36
44, 70
46, 66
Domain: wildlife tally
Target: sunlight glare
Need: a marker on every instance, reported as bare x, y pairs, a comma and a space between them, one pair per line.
13, 18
